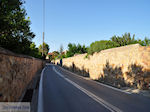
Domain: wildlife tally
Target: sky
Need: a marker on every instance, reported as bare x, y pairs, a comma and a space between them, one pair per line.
86, 21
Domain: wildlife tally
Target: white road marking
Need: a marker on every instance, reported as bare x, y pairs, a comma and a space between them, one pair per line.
40, 96
116, 89
113, 88
94, 97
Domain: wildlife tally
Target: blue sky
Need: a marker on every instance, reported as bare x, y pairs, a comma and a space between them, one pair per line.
85, 21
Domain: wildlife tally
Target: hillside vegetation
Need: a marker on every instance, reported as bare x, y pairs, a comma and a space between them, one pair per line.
97, 46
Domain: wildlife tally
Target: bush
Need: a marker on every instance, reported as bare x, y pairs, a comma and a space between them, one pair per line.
116, 41
75, 49
101, 45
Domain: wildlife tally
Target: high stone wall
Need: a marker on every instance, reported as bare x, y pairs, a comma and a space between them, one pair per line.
16, 71
128, 63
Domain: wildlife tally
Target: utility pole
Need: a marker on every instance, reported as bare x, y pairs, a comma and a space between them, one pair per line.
43, 27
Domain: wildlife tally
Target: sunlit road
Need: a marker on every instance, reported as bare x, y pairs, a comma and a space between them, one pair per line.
62, 91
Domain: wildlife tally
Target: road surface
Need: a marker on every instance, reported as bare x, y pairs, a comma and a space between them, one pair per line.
62, 91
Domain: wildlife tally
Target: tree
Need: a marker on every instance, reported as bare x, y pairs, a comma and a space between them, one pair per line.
15, 33
117, 41
34, 51
147, 41
75, 49
55, 54
61, 49
44, 48
126, 39
61, 55
97, 46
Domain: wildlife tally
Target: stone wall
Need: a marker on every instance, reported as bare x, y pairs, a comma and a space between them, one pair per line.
16, 71
128, 63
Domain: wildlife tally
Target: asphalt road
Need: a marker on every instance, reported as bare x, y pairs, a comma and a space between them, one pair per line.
62, 91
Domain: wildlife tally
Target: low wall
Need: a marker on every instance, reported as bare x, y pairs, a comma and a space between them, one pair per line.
130, 64
16, 71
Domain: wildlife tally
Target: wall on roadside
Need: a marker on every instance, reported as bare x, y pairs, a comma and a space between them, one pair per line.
128, 63
16, 71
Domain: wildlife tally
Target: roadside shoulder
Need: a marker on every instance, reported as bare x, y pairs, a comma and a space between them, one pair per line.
126, 90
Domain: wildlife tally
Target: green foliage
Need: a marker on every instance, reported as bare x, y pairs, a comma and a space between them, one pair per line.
55, 55
97, 46
146, 42
116, 41
86, 56
126, 39
15, 33
34, 51
44, 48
75, 49
61, 55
